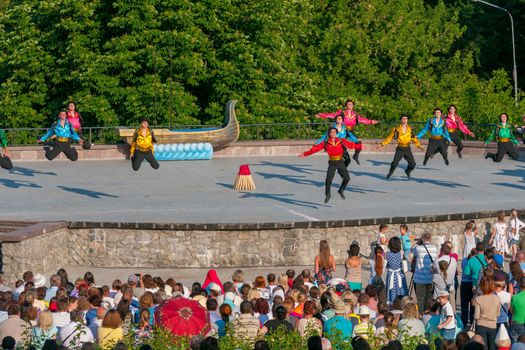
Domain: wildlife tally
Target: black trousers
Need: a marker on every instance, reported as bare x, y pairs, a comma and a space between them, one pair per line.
346, 158
454, 136
86, 144
488, 335
5, 162
406, 153
139, 157
59, 147
435, 146
504, 148
338, 165
467, 309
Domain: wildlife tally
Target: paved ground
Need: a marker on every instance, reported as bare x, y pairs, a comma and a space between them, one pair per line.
288, 189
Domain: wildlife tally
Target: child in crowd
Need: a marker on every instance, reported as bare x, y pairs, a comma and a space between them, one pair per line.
405, 241
364, 328
448, 322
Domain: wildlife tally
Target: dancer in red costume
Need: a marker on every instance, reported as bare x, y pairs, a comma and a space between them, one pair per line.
76, 121
351, 119
335, 148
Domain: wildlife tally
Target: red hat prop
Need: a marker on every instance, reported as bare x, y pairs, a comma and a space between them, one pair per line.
244, 180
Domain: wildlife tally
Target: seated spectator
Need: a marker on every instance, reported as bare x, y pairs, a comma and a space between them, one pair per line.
44, 329
61, 317
14, 326
262, 310
74, 334
364, 327
246, 326
410, 325
225, 311
278, 323
389, 331
111, 330
338, 324
308, 325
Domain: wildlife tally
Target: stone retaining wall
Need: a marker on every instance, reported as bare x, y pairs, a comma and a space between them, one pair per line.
114, 245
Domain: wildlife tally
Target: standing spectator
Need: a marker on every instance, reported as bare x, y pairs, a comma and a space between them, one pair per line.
445, 268
97, 322
74, 334
504, 300
466, 295
396, 283
518, 311
111, 331
470, 234
14, 326
55, 283
272, 283
405, 241
308, 325
353, 268
447, 324
475, 264
424, 255
499, 235
211, 306
246, 326
515, 275
324, 263
382, 240
515, 225
44, 329
64, 281
487, 309
377, 270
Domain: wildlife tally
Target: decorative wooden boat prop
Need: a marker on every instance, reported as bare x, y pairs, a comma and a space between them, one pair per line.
219, 138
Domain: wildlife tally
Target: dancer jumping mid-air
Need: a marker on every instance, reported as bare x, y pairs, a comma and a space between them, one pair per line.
142, 147
61, 132
351, 119
454, 125
438, 134
76, 121
342, 133
335, 148
505, 138
5, 161
404, 137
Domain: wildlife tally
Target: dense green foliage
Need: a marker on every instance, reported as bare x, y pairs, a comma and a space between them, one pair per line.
179, 61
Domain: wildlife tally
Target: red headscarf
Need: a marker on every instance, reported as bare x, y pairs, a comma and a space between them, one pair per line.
211, 276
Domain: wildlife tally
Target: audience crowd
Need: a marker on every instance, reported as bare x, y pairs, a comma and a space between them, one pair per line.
419, 296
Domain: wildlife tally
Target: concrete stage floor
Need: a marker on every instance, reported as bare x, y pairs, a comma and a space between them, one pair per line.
288, 189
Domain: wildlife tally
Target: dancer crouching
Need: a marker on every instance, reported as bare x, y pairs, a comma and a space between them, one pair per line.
335, 148
61, 132
142, 147
5, 161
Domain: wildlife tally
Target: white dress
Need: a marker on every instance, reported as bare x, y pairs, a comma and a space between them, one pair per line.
500, 238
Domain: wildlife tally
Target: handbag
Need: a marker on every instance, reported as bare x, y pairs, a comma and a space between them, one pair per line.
472, 331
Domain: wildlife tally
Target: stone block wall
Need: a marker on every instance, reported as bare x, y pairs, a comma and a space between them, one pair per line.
124, 247
45, 253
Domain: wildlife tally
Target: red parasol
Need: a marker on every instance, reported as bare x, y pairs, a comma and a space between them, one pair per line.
183, 316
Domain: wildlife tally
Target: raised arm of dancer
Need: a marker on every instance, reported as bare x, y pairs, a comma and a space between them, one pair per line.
314, 149
328, 115
492, 135
389, 138
50, 132
464, 129
424, 131
351, 136
363, 120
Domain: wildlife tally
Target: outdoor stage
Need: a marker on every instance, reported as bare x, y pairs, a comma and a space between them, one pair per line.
288, 189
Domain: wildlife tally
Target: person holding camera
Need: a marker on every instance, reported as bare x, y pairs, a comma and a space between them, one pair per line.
424, 255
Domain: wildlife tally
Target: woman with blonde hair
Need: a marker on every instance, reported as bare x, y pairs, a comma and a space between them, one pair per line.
238, 280
111, 330
283, 283
43, 330
324, 263
410, 325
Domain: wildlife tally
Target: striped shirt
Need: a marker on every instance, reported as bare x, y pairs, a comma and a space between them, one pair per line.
61, 319
423, 273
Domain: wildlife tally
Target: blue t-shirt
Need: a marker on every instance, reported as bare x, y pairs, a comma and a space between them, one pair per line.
405, 240
338, 326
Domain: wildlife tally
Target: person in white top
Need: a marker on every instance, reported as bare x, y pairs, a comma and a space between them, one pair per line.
515, 225
499, 236
444, 270
382, 240
75, 333
447, 324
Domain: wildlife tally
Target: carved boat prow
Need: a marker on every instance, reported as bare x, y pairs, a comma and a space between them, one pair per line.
219, 138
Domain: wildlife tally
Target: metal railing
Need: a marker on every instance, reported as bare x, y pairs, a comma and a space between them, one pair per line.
276, 131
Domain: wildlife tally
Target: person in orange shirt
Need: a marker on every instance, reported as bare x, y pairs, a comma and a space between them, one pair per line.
335, 148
